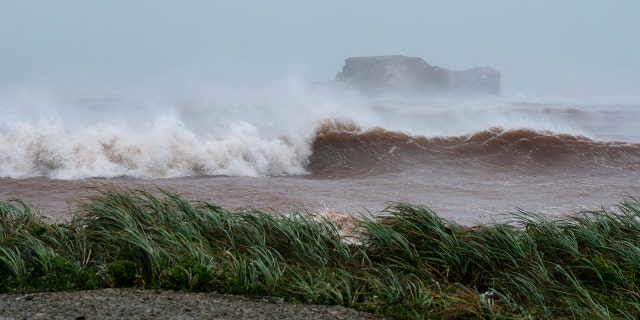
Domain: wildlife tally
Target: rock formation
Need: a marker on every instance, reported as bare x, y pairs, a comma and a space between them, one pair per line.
413, 76
475, 81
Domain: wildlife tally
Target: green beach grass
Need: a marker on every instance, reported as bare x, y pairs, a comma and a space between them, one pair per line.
405, 262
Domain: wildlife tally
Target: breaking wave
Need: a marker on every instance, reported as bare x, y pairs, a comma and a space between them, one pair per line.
295, 130
169, 150
343, 149
337, 149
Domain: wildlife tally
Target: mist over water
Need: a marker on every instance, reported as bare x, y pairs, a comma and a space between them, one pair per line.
295, 145
262, 130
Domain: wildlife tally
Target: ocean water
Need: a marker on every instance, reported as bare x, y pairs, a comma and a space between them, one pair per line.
293, 146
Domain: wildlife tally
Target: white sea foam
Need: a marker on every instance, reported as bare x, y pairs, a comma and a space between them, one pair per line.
168, 150
100, 137
246, 131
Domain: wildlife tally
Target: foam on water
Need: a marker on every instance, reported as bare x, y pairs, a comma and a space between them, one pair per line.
260, 131
167, 150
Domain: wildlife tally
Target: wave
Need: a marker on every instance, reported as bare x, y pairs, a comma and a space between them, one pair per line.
285, 131
169, 150
337, 149
342, 149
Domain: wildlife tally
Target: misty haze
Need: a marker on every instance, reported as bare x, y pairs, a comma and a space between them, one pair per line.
444, 105
472, 109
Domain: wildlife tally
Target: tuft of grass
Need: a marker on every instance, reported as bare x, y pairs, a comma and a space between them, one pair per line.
407, 262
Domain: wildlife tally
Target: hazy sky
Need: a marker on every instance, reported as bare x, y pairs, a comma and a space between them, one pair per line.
572, 48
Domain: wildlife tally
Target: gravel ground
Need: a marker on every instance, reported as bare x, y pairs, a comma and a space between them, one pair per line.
156, 304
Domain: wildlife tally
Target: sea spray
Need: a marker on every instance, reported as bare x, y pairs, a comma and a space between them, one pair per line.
168, 150
252, 131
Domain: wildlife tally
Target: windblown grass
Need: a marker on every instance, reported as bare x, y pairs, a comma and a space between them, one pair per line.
405, 263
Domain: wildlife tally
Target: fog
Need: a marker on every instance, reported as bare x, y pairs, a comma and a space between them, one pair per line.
583, 49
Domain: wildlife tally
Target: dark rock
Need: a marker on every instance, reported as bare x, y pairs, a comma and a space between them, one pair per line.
413, 76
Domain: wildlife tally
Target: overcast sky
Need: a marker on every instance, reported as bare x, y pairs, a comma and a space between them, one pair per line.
542, 47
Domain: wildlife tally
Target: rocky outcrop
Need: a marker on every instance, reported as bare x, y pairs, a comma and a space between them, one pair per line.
413, 76
475, 81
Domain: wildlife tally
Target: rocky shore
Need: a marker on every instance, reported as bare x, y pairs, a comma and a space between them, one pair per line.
160, 304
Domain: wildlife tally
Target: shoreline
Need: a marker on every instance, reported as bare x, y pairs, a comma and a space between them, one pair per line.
407, 262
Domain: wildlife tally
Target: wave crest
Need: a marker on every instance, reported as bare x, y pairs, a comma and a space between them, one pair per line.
338, 152
169, 150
